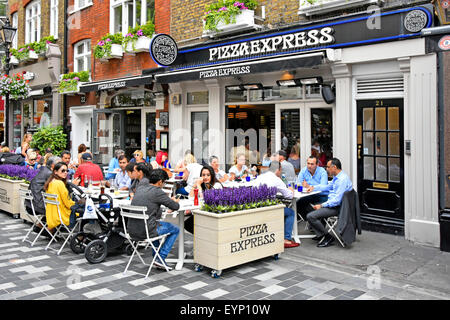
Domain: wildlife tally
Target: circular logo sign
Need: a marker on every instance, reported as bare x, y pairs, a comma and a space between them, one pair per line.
163, 49
445, 4
444, 43
415, 20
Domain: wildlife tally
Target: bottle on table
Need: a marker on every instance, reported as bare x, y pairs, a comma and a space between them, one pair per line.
195, 197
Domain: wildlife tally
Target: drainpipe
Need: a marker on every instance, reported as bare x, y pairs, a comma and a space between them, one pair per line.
65, 70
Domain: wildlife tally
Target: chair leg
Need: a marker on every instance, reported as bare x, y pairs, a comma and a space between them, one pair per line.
157, 256
28, 233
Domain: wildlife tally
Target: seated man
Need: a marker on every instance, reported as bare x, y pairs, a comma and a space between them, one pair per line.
286, 167
340, 184
312, 177
122, 180
271, 178
88, 170
65, 157
150, 195
114, 164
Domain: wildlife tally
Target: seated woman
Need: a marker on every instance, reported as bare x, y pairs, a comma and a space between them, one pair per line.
138, 157
294, 157
206, 181
161, 160
149, 194
239, 170
181, 164
56, 184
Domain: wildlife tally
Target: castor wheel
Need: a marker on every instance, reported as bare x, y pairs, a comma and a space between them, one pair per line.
198, 268
276, 257
129, 250
216, 273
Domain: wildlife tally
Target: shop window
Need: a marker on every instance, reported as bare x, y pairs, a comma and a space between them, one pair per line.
15, 24
135, 98
197, 97
54, 18
82, 56
274, 93
127, 14
322, 135
33, 22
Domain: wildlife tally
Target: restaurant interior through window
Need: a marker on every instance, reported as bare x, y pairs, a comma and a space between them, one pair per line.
252, 112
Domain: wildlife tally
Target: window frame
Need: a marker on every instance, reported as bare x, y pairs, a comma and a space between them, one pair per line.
125, 14
54, 18
31, 34
85, 55
15, 24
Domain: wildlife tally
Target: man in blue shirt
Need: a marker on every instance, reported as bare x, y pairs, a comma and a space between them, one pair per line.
312, 177
122, 180
114, 164
340, 184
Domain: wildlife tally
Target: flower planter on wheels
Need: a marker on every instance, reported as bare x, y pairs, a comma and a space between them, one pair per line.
226, 240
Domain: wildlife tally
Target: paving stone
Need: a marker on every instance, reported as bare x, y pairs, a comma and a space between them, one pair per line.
300, 296
335, 292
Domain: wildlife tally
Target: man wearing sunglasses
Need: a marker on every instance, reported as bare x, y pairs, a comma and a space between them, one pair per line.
340, 184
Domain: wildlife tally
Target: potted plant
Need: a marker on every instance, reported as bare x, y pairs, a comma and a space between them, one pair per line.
11, 178
70, 82
138, 39
238, 225
109, 47
16, 86
50, 137
226, 15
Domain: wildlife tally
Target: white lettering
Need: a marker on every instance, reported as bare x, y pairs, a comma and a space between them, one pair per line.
275, 42
266, 47
287, 41
255, 47
326, 35
300, 40
212, 53
313, 40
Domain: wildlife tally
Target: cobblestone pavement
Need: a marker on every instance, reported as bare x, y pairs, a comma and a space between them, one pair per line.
33, 273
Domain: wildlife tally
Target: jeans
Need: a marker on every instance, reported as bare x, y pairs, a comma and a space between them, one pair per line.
182, 191
73, 216
289, 216
166, 227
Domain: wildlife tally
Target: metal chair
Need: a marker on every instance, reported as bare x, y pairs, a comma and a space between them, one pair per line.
139, 212
62, 230
37, 218
330, 225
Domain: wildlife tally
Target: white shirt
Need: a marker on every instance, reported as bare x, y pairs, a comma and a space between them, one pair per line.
194, 173
220, 174
270, 179
236, 171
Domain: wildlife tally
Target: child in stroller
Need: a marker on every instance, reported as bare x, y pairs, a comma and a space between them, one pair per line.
97, 238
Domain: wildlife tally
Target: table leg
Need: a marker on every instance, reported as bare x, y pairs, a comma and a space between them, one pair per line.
295, 235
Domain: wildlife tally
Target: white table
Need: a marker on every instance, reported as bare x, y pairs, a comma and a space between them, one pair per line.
95, 193
297, 196
187, 204
236, 184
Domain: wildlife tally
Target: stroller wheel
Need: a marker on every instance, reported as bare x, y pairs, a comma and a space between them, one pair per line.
78, 242
96, 251
129, 250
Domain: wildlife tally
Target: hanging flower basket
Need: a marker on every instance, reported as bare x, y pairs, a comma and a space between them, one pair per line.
16, 86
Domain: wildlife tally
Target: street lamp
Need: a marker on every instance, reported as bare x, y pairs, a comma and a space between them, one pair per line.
7, 33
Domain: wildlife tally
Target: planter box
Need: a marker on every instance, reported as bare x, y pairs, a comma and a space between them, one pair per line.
245, 20
142, 44
32, 55
325, 6
225, 240
116, 52
9, 196
14, 61
23, 212
74, 92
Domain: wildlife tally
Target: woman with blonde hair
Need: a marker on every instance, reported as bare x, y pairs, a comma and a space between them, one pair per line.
239, 170
138, 157
25, 145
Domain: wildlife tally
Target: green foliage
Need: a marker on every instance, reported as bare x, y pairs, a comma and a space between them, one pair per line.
103, 47
133, 34
69, 81
50, 137
21, 53
225, 11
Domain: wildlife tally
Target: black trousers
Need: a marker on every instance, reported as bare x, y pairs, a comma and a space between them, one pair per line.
315, 219
303, 204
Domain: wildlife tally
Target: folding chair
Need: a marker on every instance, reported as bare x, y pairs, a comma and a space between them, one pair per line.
168, 189
62, 229
330, 224
37, 218
138, 212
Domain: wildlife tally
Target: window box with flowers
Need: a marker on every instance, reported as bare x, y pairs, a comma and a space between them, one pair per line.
109, 47
70, 82
314, 7
228, 16
31, 51
16, 86
238, 225
138, 39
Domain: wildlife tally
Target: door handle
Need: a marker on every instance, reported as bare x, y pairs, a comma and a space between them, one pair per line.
359, 152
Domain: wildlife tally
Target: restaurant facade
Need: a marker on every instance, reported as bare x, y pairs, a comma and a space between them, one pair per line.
361, 88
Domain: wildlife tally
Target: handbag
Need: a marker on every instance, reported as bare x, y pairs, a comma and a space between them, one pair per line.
89, 210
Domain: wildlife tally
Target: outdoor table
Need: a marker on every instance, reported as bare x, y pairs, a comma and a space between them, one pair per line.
236, 184
95, 193
297, 196
186, 204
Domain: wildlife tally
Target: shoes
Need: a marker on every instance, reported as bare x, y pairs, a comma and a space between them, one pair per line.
328, 240
36, 229
318, 238
291, 244
160, 265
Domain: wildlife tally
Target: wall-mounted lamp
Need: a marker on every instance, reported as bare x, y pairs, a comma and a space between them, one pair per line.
301, 81
242, 87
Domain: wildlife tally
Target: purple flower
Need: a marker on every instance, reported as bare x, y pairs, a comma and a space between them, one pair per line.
101, 43
108, 40
140, 33
223, 9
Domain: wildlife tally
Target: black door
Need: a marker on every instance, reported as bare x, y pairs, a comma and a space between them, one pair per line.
380, 165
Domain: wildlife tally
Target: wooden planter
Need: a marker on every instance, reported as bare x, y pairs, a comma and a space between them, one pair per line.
225, 240
9, 196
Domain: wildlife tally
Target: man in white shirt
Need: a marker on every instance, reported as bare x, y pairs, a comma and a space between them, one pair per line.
271, 178
286, 167
220, 174
190, 175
